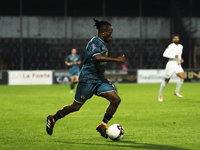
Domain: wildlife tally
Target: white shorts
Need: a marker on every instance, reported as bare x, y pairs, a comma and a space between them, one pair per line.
171, 68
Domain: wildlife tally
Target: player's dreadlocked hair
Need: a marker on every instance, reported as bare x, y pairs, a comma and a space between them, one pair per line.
98, 24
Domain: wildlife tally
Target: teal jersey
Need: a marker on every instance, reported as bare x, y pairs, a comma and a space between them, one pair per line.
74, 60
93, 71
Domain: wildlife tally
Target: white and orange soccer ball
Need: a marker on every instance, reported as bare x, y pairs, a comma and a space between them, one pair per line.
115, 132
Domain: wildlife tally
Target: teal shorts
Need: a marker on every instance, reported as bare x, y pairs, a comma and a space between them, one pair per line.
85, 91
74, 72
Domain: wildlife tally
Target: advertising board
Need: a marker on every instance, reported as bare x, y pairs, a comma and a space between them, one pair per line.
121, 76
61, 77
153, 76
30, 77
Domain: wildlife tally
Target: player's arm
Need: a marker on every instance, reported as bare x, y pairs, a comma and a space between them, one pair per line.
182, 60
102, 58
68, 63
79, 61
168, 53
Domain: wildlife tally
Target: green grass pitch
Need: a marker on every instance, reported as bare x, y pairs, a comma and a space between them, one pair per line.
173, 124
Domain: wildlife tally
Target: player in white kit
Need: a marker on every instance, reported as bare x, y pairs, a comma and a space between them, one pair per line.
173, 52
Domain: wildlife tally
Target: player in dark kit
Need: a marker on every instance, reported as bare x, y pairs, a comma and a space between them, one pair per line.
73, 62
92, 79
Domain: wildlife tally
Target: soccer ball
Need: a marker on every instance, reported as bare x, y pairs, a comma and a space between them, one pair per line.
115, 132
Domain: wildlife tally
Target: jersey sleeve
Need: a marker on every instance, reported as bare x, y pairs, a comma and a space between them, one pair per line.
67, 59
95, 48
79, 58
168, 53
180, 56
181, 48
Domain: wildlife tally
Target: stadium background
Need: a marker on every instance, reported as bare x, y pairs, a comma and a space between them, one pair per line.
39, 34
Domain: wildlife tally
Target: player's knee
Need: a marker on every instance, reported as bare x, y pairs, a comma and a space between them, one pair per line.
166, 80
182, 76
117, 101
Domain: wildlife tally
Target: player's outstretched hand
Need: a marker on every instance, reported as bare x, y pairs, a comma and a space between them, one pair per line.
121, 59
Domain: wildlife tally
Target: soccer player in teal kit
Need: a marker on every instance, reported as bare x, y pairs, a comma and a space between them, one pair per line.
92, 79
73, 62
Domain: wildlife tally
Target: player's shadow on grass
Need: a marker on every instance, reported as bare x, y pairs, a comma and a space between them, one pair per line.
130, 144
151, 146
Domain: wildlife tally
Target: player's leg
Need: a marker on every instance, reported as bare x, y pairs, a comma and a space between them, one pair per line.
75, 106
51, 119
162, 87
179, 83
71, 73
71, 84
76, 75
169, 71
107, 91
114, 100
111, 109
82, 89
75, 79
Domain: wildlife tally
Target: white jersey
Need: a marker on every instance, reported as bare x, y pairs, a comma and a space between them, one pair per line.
173, 65
172, 50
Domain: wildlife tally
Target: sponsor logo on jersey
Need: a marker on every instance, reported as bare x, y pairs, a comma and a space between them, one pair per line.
93, 46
